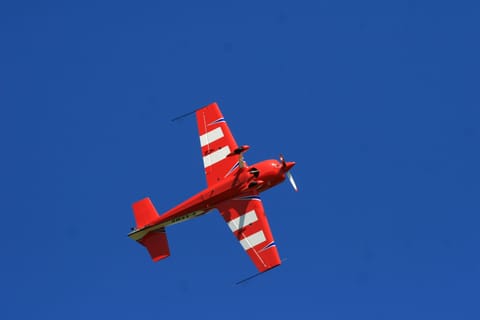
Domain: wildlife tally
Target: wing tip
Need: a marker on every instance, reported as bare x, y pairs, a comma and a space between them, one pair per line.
181, 117
257, 274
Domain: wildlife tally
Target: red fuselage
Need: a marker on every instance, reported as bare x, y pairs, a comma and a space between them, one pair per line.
258, 178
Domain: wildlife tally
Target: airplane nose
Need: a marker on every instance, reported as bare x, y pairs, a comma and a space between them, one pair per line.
289, 165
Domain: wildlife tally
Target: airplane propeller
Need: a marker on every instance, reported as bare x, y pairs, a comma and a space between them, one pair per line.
292, 181
287, 166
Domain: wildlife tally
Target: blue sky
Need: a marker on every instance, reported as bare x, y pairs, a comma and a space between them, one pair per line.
376, 101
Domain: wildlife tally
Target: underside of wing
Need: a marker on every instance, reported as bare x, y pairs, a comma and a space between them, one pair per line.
217, 143
246, 219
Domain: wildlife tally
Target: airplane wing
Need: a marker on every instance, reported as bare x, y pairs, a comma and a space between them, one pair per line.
217, 143
247, 220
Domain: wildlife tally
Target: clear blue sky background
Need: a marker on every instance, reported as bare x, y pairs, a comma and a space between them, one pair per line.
377, 102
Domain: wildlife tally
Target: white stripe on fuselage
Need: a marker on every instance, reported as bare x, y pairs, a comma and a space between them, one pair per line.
217, 156
253, 240
211, 136
243, 220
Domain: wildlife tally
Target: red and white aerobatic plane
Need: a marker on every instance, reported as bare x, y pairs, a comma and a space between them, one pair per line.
233, 189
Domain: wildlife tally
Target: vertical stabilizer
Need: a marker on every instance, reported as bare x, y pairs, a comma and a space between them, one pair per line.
144, 212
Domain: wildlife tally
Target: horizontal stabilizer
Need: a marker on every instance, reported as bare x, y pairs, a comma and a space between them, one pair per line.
144, 212
156, 243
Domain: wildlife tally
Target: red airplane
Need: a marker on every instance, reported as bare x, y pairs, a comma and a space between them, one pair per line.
233, 189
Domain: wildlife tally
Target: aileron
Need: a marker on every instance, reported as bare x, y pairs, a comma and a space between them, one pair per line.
242, 221
253, 240
216, 156
211, 136
246, 219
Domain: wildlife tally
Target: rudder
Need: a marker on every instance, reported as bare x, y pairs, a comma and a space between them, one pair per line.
144, 212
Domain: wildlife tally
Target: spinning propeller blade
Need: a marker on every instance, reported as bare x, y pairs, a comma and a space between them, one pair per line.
292, 181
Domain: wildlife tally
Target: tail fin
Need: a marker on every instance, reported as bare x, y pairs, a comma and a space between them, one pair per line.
156, 240
144, 212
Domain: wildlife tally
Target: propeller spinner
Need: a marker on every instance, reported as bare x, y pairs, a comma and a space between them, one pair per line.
286, 167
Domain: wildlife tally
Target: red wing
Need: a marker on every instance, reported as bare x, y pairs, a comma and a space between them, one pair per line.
217, 143
246, 218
